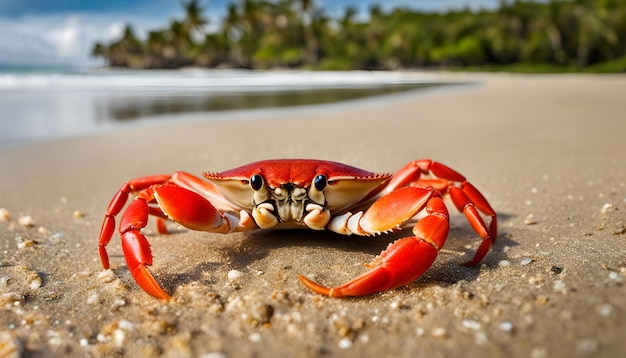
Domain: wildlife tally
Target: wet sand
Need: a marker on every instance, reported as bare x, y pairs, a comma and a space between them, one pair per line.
548, 152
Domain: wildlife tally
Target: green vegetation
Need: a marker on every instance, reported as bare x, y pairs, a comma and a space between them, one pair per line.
523, 36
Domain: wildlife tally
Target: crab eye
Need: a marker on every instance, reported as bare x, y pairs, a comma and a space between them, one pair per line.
320, 182
256, 182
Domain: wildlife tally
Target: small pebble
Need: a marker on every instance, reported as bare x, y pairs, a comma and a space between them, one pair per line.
615, 276
556, 269
481, 338
471, 324
398, 304
106, 276
78, 214
439, 332
26, 221
234, 274
126, 325
119, 336
345, 343
255, 337
529, 220
506, 326
559, 286
34, 281
605, 310
606, 208
4, 215
25, 243
525, 261
93, 299
504, 263
55, 238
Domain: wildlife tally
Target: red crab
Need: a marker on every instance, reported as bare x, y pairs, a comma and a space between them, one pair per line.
316, 194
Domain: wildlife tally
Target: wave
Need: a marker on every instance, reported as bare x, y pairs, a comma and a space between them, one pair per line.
201, 80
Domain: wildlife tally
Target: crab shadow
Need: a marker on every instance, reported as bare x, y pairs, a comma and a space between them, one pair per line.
303, 244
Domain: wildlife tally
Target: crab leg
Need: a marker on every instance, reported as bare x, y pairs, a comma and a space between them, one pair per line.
174, 202
186, 207
466, 198
117, 204
411, 174
406, 259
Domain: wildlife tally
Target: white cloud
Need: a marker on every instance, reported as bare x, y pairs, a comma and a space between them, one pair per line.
66, 39
115, 30
63, 39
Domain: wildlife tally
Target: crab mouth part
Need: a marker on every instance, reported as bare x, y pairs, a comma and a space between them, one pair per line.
288, 202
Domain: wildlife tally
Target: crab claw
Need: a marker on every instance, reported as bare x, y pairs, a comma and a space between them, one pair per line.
402, 263
137, 249
188, 208
138, 256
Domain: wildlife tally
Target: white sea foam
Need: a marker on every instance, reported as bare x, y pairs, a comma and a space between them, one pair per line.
205, 80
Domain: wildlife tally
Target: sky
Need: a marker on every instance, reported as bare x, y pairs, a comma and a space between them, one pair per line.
49, 33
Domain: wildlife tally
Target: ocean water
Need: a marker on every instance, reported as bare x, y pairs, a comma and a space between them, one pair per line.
39, 104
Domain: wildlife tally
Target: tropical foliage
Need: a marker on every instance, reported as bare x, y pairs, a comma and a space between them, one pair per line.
574, 35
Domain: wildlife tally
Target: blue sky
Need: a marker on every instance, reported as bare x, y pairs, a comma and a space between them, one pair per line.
62, 32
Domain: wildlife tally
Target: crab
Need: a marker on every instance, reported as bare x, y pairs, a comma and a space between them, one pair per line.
306, 193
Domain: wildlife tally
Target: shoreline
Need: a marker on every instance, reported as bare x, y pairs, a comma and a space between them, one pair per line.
546, 151
70, 104
95, 111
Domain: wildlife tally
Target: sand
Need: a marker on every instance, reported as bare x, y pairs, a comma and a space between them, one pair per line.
547, 151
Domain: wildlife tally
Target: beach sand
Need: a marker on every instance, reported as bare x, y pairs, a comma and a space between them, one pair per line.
549, 153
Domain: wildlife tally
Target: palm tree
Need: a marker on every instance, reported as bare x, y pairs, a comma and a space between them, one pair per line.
179, 40
593, 31
281, 40
158, 50
311, 44
100, 50
126, 52
194, 21
544, 41
269, 33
